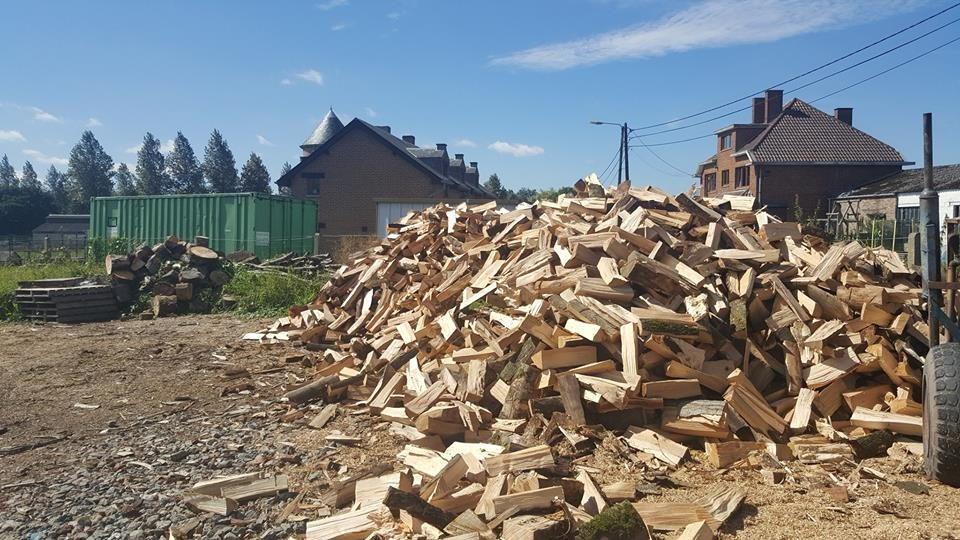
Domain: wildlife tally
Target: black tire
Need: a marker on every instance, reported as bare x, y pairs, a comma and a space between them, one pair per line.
941, 414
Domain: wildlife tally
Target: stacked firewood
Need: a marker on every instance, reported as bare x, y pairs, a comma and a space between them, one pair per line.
487, 337
172, 272
292, 262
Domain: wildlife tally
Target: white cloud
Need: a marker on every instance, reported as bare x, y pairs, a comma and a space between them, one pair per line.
466, 143
311, 75
40, 157
332, 4
338, 27
286, 82
369, 112
516, 149
165, 147
707, 24
11, 135
94, 122
264, 141
44, 116
394, 15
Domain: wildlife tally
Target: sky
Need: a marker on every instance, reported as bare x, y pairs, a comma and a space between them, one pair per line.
513, 85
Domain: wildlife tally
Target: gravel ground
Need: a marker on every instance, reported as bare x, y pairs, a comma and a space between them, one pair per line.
172, 409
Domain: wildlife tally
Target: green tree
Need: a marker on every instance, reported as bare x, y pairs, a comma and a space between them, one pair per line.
494, 186
152, 178
125, 183
90, 172
28, 178
56, 185
287, 167
23, 209
254, 176
219, 167
183, 167
8, 176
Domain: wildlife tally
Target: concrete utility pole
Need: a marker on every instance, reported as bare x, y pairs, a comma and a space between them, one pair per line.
930, 221
623, 167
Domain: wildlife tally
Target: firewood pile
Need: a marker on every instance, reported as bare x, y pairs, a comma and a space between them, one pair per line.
173, 272
505, 345
306, 264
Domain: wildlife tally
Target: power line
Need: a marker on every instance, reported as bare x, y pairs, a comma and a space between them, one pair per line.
615, 154
901, 64
811, 83
818, 68
656, 155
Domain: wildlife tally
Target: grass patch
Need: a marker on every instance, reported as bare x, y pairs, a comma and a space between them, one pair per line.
10, 275
269, 294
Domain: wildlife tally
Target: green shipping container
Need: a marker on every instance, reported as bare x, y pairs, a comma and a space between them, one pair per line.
267, 225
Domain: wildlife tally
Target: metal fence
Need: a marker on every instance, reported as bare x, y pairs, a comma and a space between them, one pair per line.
43, 247
889, 233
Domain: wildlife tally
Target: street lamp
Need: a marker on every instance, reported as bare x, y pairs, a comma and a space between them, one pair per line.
623, 171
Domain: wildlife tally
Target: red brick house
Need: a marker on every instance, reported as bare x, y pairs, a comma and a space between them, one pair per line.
363, 177
794, 153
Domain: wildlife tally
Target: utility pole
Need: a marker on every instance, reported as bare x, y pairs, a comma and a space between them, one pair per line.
930, 238
626, 152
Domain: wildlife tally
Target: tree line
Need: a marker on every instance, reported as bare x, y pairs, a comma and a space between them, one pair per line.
502, 194
91, 173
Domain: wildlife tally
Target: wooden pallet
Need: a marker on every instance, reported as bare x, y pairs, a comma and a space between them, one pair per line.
65, 300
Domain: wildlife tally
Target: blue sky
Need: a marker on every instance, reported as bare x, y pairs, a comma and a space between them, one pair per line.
510, 84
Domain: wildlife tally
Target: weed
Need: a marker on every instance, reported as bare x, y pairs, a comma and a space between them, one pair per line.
617, 522
270, 293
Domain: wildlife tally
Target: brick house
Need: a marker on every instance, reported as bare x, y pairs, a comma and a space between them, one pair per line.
364, 178
794, 153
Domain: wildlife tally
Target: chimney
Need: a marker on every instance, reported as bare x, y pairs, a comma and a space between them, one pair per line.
473, 164
759, 112
844, 114
442, 147
385, 128
774, 101
410, 139
458, 156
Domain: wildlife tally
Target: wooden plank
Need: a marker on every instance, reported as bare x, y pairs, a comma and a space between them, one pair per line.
525, 501
569, 390
566, 357
897, 423
535, 457
802, 410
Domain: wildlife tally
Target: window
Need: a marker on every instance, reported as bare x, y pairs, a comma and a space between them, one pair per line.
321, 225
111, 222
725, 178
709, 182
742, 176
726, 141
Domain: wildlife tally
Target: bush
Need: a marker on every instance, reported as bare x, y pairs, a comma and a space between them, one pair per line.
99, 247
617, 522
269, 294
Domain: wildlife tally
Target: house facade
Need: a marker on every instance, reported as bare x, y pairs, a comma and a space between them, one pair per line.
363, 177
794, 154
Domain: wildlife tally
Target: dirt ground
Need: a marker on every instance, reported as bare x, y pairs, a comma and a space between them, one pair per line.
160, 384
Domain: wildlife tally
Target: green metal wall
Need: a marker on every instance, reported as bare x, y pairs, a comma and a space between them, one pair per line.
263, 224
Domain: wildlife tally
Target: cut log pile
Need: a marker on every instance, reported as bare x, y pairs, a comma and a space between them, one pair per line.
288, 262
173, 272
491, 339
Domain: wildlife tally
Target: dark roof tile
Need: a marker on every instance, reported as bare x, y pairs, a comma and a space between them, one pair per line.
803, 134
908, 181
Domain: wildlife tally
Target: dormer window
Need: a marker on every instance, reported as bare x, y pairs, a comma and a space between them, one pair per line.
726, 141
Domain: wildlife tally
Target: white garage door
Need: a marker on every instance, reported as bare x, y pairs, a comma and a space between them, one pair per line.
392, 212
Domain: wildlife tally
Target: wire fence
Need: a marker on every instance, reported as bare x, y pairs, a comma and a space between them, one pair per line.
35, 248
888, 233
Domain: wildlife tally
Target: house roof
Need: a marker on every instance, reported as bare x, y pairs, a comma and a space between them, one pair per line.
328, 127
907, 181
64, 223
412, 153
804, 135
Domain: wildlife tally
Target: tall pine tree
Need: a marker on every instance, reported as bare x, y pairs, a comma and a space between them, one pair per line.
56, 186
151, 175
90, 172
28, 178
219, 167
8, 176
124, 182
255, 176
183, 168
